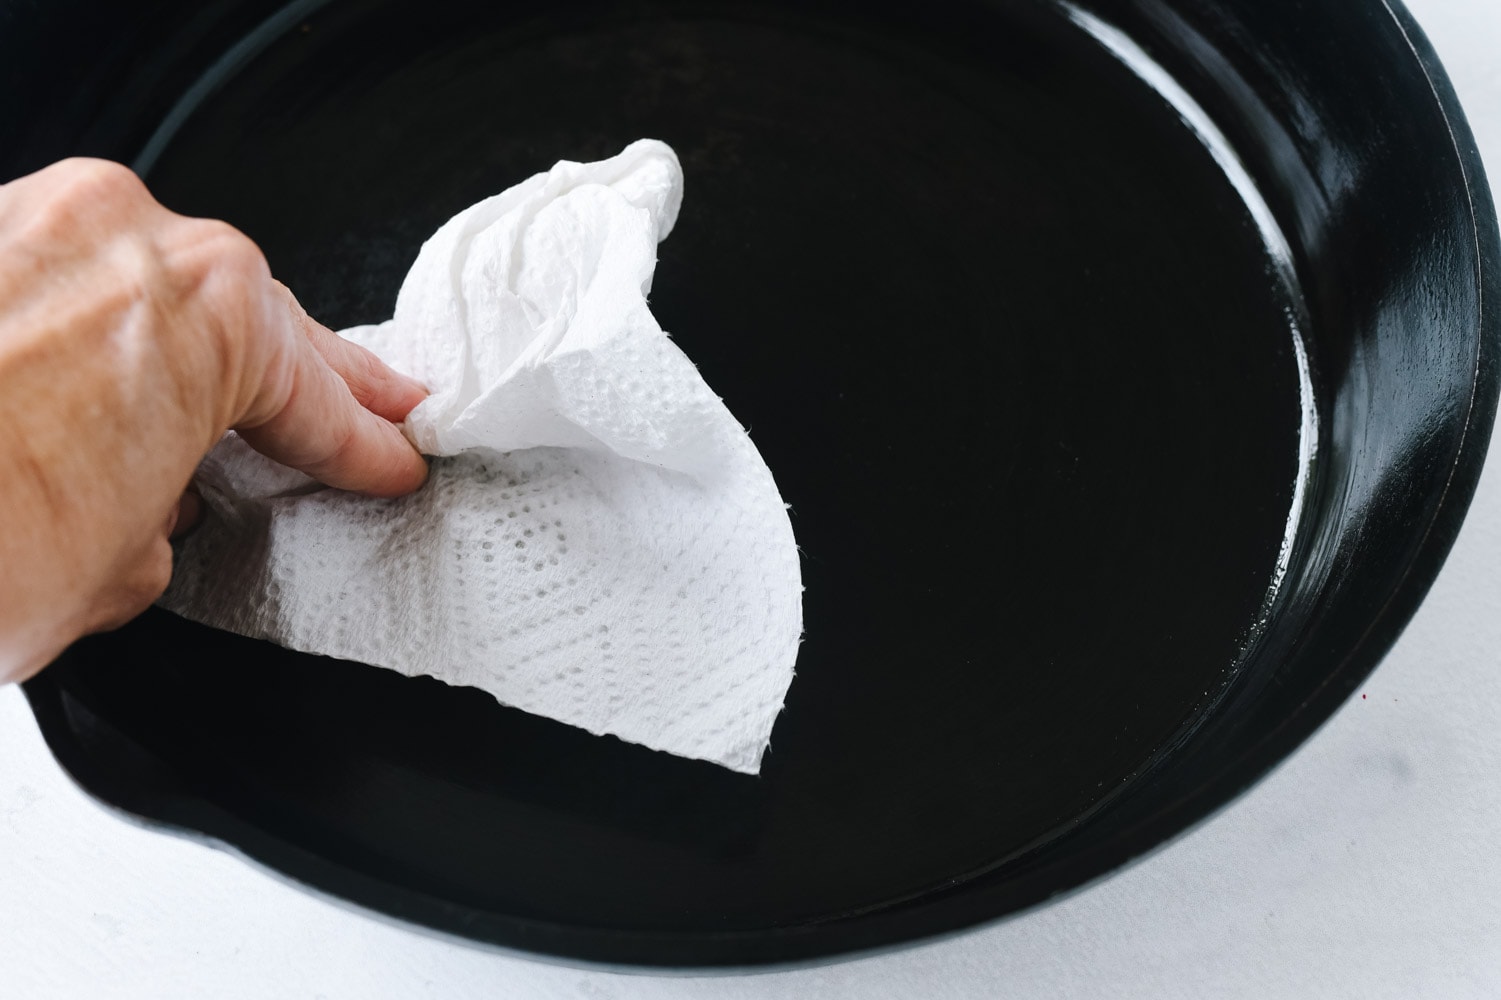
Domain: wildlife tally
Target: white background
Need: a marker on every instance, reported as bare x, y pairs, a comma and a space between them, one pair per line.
1366, 866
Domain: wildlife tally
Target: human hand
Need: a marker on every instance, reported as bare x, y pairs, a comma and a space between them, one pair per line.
131, 339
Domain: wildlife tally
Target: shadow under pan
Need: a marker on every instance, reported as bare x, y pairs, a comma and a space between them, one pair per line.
1014, 348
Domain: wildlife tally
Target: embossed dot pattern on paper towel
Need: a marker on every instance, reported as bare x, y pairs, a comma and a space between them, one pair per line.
600, 542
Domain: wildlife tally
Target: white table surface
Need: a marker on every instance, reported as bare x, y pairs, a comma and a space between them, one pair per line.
1365, 866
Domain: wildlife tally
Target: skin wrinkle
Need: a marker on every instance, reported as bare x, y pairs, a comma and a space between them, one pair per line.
131, 339
308, 458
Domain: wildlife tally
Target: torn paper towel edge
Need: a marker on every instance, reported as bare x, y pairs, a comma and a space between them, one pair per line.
537, 396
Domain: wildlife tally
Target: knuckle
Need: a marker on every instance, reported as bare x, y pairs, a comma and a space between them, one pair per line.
222, 265
87, 186
330, 457
90, 179
227, 248
234, 266
366, 373
80, 195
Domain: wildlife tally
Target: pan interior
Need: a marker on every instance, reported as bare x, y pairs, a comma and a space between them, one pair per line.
1010, 331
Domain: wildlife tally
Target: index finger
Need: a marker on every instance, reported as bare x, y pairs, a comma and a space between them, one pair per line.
317, 426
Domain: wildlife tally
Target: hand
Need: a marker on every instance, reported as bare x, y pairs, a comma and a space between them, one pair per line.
131, 339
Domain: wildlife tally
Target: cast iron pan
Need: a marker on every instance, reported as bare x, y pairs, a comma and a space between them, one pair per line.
1013, 297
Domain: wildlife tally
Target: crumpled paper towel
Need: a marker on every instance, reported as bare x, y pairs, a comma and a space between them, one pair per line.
602, 545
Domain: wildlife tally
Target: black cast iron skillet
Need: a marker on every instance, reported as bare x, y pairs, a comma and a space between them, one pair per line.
1012, 296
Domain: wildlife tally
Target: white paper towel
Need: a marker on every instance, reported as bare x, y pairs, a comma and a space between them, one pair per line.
604, 546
